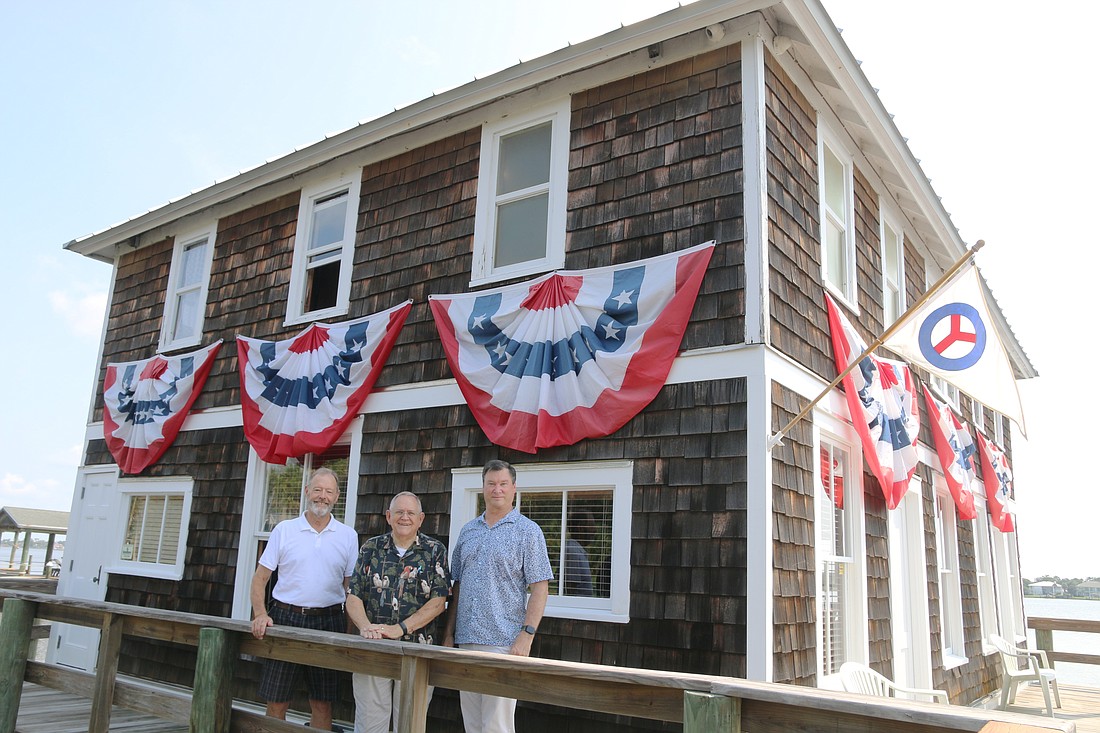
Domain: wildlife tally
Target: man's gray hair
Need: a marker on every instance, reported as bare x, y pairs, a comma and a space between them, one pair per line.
498, 465
323, 471
419, 506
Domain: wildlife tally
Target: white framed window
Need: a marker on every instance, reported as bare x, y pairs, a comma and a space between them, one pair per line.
839, 547
584, 510
947, 562
987, 587
946, 391
1015, 593
188, 282
519, 228
838, 242
274, 493
324, 244
979, 416
999, 428
893, 270
154, 517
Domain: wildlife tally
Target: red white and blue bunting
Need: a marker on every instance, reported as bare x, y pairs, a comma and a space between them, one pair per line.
956, 451
997, 476
145, 403
573, 354
298, 395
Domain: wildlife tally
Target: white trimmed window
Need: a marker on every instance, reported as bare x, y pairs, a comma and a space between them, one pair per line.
324, 243
519, 228
838, 240
947, 560
274, 493
188, 281
154, 520
999, 428
947, 392
839, 549
987, 588
893, 271
979, 416
584, 512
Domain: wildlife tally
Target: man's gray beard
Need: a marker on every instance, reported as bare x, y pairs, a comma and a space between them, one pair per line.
320, 510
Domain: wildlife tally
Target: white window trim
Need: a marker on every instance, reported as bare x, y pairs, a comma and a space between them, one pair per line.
826, 137
128, 488
295, 307
986, 573
483, 270
168, 342
888, 221
466, 485
952, 634
842, 436
908, 566
255, 478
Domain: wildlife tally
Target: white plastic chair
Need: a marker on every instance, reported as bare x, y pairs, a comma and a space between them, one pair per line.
1038, 670
860, 678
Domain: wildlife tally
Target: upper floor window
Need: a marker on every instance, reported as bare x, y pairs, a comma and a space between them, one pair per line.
893, 272
185, 304
320, 284
947, 391
947, 556
521, 193
584, 512
839, 532
837, 214
154, 528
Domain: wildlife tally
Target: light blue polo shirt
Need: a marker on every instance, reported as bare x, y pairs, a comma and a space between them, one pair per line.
495, 565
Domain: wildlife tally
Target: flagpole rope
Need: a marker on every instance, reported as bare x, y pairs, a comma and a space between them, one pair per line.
947, 277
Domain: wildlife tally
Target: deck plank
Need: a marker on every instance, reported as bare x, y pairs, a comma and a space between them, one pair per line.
1079, 704
45, 710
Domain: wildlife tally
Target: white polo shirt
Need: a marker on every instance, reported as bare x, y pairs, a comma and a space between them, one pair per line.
312, 565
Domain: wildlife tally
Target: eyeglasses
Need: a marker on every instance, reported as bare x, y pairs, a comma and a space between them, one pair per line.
404, 513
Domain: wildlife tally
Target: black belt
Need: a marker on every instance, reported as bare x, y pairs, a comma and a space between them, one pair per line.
323, 611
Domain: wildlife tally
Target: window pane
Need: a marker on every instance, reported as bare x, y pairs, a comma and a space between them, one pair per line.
587, 556
835, 185
891, 245
833, 635
187, 313
150, 536
283, 498
521, 230
194, 257
524, 159
322, 286
170, 536
836, 256
544, 508
133, 528
328, 221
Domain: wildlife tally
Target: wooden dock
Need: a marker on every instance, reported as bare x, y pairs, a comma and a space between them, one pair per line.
1080, 705
44, 710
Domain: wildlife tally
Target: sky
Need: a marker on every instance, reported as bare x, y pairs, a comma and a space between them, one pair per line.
110, 109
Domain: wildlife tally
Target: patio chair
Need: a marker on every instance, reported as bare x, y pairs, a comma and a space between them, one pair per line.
1038, 669
860, 678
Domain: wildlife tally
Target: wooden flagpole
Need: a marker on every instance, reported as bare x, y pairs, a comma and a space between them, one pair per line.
777, 439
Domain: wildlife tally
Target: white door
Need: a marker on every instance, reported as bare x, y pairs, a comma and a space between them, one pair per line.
908, 600
86, 553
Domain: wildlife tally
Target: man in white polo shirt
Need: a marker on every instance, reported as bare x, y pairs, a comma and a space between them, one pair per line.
315, 555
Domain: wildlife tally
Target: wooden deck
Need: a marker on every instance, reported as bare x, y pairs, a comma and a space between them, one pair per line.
1079, 704
44, 710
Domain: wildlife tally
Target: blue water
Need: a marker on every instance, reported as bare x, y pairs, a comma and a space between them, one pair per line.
1070, 641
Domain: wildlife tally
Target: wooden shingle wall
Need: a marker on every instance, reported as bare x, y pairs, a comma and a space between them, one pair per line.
879, 627
794, 610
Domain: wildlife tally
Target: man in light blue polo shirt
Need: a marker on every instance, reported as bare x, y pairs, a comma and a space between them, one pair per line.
497, 557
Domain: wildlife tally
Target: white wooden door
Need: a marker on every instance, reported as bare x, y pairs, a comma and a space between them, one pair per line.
908, 599
87, 549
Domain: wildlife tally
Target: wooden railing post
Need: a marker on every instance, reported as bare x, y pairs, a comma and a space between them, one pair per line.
707, 713
15, 637
212, 701
110, 641
414, 695
1044, 639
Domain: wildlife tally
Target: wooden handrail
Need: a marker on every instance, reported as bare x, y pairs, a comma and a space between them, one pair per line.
1044, 637
694, 700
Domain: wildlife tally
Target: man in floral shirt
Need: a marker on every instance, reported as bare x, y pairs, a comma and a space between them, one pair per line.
397, 591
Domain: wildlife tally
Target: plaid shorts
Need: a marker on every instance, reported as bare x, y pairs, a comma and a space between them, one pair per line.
279, 677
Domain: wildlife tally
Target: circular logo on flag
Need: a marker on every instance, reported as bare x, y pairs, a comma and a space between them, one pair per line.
952, 337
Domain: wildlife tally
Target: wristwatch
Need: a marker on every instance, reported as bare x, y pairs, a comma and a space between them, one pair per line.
529, 629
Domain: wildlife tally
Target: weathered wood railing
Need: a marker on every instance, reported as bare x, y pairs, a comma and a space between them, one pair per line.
703, 704
1044, 637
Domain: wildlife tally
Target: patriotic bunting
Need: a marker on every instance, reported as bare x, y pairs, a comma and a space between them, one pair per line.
954, 337
145, 403
956, 451
882, 400
997, 475
570, 355
298, 395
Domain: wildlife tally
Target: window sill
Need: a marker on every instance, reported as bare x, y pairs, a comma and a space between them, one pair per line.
146, 570
313, 317
950, 661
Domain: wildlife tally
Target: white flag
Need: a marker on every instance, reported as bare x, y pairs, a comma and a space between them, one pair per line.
953, 336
